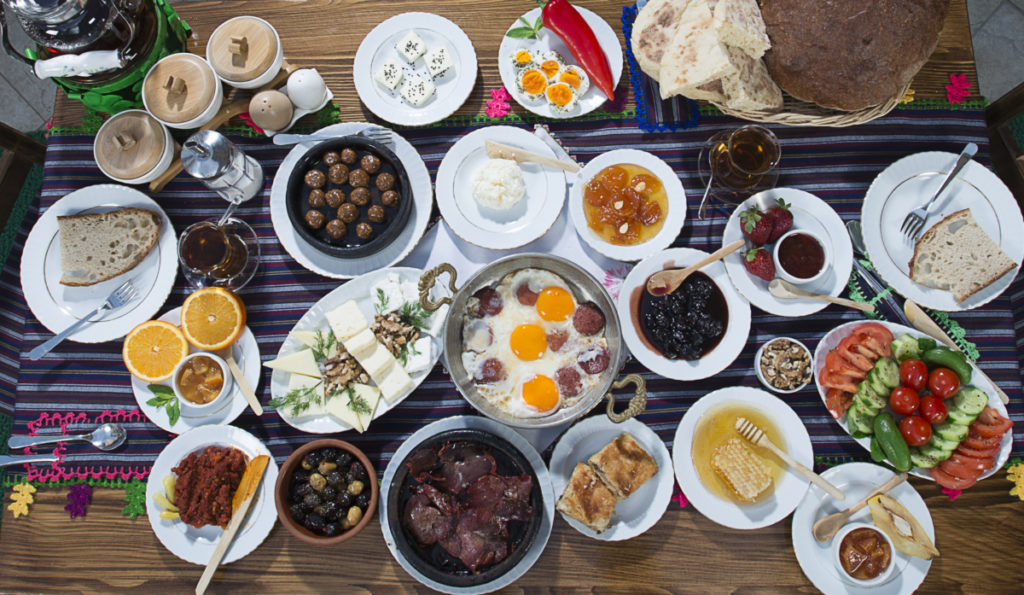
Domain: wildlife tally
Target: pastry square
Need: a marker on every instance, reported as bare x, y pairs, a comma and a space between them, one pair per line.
438, 61
624, 465
417, 90
587, 499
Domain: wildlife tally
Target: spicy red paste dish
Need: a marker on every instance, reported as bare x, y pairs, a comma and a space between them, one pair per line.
206, 483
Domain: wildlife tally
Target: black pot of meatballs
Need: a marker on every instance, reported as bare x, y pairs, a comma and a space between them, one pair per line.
349, 197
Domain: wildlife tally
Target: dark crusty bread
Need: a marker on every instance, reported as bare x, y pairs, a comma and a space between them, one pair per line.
623, 465
849, 54
95, 247
587, 499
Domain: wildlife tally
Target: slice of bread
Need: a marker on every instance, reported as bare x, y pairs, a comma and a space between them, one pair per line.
653, 30
956, 254
739, 24
696, 56
751, 88
99, 246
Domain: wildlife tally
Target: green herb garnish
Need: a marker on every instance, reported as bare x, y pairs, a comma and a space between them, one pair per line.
408, 351
412, 313
382, 301
298, 400
166, 399
323, 345
527, 31
357, 403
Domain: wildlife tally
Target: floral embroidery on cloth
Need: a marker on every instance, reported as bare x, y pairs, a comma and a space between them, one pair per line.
498, 106
21, 497
908, 97
79, 497
953, 494
957, 89
679, 497
1015, 473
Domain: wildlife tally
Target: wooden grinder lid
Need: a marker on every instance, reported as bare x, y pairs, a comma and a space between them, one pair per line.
242, 48
130, 145
179, 88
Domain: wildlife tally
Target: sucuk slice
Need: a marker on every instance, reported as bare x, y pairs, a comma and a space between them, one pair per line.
951, 482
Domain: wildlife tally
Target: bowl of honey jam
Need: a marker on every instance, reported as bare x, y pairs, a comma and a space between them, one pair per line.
203, 384
801, 257
863, 555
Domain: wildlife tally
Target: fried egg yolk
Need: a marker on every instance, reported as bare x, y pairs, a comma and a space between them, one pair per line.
528, 342
555, 304
541, 393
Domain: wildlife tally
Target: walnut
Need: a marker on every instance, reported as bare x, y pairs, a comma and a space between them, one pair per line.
785, 365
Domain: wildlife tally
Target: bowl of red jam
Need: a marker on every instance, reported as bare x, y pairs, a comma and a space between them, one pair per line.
801, 257
863, 554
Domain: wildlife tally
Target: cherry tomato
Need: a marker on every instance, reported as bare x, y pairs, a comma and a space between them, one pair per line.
916, 431
943, 382
914, 373
904, 400
933, 409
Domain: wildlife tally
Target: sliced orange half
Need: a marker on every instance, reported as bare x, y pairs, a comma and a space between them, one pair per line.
153, 349
212, 318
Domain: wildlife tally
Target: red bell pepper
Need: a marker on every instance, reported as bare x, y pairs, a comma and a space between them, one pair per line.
568, 24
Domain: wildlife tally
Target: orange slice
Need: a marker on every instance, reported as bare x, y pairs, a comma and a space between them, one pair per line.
212, 318
153, 349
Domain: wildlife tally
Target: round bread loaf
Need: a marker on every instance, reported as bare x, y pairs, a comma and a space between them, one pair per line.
849, 54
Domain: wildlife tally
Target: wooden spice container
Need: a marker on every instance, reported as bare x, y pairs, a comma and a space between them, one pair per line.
133, 147
245, 52
182, 91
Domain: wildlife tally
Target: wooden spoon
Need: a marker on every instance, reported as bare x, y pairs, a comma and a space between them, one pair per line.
227, 354
665, 282
499, 151
756, 436
783, 289
827, 527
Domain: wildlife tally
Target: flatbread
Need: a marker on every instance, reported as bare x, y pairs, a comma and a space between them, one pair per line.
696, 57
653, 31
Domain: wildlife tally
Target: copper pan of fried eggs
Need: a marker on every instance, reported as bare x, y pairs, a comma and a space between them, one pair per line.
531, 340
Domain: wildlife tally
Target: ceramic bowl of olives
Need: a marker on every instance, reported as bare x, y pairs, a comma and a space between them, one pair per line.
326, 492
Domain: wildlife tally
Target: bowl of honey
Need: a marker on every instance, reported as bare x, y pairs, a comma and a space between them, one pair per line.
203, 384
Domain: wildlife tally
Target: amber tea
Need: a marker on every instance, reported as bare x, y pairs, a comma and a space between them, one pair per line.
214, 253
746, 158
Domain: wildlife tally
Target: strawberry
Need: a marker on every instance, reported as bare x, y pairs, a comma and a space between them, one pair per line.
782, 220
757, 226
759, 263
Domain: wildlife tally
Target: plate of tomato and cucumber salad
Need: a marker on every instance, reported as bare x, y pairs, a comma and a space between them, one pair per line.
914, 404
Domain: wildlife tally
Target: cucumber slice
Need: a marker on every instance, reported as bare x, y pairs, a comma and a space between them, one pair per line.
888, 372
859, 420
870, 399
877, 386
960, 418
950, 431
935, 453
866, 404
970, 400
941, 443
919, 459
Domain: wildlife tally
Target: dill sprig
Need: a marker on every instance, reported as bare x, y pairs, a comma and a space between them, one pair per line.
298, 400
323, 345
412, 313
382, 301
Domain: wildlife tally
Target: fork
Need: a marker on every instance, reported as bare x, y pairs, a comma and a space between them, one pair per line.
374, 133
121, 296
756, 436
914, 221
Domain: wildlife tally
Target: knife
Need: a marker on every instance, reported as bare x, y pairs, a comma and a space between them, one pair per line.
870, 279
920, 320
544, 135
239, 507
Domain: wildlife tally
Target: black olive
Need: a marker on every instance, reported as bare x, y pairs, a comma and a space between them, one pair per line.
329, 493
358, 471
297, 513
363, 500
332, 529
350, 477
311, 501
315, 522
330, 510
299, 476
344, 459
335, 479
299, 491
345, 500
330, 454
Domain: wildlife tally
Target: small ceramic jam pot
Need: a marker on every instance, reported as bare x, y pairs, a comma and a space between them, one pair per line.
843, 541
185, 390
182, 91
133, 147
801, 257
245, 52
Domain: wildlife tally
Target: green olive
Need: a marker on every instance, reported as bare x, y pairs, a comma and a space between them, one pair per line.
326, 467
317, 482
306, 464
355, 488
355, 514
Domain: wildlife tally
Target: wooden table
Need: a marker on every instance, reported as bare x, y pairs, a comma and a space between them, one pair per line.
981, 535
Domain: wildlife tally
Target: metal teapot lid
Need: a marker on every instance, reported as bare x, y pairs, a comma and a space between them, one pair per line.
207, 154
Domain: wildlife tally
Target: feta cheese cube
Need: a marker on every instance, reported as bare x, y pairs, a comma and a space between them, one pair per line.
438, 61
411, 47
346, 320
387, 295
378, 363
362, 344
417, 90
299, 362
420, 355
395, 385
307, 338
389, 74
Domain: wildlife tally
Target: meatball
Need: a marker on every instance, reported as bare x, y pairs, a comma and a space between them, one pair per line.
364, 230
525, 295
390, 198
360, 197
490, 371
348, 156
358, 177
556, 339
316, 198
348, 212
315, 178
376, 214
315, 219
594, 360
568, 379
338, 174
331, 158
371, 163
336, 229
488, 302
334, 198
385, 181
588, 319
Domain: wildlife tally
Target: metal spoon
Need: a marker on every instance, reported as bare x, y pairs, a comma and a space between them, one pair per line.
785, 290
827, 527
106, 437
702, 209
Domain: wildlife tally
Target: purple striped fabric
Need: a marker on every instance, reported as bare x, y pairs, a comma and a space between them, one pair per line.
836, 164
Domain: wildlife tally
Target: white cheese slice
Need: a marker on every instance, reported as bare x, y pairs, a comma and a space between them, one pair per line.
307, 338
411, 47
389, 74
362, 344
378, 363
346, 320
419, 356
372, 397
316, 407
388, 294
417, 90
396, 384
337, 407
438, 61
299, 362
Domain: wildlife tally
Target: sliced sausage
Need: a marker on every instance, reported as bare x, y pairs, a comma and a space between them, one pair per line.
556, 339
588, 319
568, 379
488, 303
525, 296
594, 360
490, 371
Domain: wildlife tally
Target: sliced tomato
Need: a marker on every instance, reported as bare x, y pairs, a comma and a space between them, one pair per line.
840, 381
992, 431
838, 365
838, 402
978, 453
975, 440
990, 416
982, 464
960, 470
880, 334
845, 349
951, 482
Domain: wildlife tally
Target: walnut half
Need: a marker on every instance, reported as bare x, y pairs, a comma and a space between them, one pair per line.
785, 365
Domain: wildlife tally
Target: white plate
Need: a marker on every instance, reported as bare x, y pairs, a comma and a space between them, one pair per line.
316, 318
856, 480
674, 191
452, 88
593, 98
809, 213
546, 510
245, 351
789, 490
346, 268
736, 331
197, 545
532, 217
902, 187
642, 509
832, 339
58, 306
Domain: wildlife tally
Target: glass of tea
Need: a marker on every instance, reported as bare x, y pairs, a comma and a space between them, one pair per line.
218, 254
741, 162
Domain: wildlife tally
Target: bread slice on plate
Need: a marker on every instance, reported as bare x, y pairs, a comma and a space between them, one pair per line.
623, 465
587, 499
956, 254
96, 247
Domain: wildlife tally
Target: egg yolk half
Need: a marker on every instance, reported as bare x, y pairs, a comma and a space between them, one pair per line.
555, 304
570, 78
534, 82
523, 57
550, 68
528, 342
541, 393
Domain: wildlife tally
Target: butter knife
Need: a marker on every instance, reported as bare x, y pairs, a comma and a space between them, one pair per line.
920, 320
542, 133
7, 460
